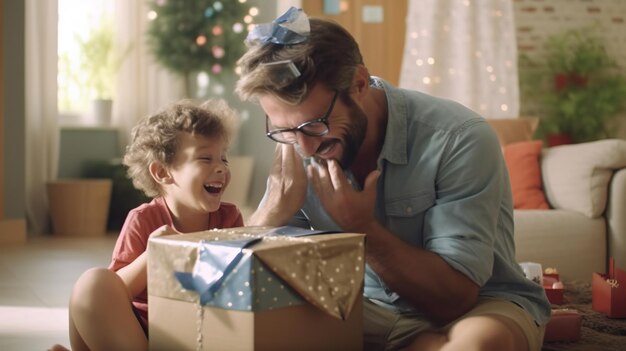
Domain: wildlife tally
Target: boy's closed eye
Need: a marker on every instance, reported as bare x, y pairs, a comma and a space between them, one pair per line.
210, 159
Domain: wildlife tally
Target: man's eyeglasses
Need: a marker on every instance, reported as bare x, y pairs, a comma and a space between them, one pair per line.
314, 128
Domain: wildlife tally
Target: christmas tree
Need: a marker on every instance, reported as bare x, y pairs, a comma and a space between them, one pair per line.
190, 36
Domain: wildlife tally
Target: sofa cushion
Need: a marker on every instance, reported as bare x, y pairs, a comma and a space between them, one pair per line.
513, 130
576, 177
522, 161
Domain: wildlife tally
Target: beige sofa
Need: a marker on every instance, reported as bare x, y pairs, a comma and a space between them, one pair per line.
585, 185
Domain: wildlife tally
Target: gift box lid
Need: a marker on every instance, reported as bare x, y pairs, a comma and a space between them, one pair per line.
256, 268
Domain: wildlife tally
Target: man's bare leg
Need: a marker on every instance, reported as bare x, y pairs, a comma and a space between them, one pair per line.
484, 333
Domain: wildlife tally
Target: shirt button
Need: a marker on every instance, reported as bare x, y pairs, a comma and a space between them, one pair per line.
409, 210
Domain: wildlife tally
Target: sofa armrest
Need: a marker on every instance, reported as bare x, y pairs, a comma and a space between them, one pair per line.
616, 218
576, 177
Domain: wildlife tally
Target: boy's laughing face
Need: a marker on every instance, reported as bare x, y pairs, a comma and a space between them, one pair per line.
199, 174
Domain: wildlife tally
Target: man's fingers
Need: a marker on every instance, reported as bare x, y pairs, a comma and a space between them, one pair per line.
324, 179
277, 164
370, 181
291, 160
337, 177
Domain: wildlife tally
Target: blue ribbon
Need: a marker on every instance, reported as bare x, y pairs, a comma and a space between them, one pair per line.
218, 259
283, 30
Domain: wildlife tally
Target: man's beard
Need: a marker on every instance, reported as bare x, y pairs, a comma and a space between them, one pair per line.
355, 134
351, 141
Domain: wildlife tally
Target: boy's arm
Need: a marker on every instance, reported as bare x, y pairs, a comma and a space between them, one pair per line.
135, 275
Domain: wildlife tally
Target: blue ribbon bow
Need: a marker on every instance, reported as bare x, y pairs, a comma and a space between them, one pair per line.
292, 27
218, 259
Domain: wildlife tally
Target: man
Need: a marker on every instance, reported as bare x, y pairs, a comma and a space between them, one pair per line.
423, 177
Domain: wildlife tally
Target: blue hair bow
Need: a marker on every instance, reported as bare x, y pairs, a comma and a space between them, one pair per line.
292, 27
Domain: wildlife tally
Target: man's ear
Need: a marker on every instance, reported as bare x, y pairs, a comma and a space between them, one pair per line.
160, 173
360, 82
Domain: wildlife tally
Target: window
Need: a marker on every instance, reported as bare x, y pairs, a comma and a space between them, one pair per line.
77, 20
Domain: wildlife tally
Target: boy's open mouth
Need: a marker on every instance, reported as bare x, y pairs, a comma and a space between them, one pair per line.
213, 188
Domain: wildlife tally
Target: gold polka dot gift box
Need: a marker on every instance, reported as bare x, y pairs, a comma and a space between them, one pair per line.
256, 288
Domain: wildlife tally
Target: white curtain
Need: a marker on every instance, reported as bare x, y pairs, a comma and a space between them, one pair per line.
143, 86
41, 108
464, 50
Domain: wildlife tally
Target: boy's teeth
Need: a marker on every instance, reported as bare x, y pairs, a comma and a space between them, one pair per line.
213, 187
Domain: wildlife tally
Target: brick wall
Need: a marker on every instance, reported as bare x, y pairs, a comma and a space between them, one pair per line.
538, 19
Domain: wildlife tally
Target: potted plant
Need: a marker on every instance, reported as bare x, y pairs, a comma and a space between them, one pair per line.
586, 91
100, 61
574, 55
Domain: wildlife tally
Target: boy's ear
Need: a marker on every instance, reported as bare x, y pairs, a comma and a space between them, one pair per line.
160, 173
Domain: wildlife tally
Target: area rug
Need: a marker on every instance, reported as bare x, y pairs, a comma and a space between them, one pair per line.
598, 333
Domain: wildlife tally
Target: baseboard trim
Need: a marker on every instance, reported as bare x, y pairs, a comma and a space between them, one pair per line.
12, 231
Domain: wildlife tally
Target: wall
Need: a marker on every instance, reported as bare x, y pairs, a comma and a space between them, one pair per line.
252, 140
12, 225
538, 19
377, 26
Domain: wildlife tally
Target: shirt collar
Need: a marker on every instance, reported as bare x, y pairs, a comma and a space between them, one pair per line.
395, 144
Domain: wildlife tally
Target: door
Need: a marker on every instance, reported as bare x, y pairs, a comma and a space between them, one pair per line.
378, 27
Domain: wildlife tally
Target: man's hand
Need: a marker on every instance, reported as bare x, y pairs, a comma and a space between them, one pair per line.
352, 210
286, 189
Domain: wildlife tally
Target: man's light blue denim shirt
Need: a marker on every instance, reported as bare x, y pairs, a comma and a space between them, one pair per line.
444, 187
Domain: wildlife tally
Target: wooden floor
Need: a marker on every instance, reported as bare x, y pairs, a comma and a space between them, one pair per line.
36, 279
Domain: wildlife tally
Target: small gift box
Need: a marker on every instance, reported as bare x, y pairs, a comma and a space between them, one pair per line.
553, 287
608, 292
256, 288
564, 325
549, 280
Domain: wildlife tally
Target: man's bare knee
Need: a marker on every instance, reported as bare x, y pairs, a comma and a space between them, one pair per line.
486, 333
428, 341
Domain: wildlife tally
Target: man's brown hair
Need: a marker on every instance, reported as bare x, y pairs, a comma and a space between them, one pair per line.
329, 56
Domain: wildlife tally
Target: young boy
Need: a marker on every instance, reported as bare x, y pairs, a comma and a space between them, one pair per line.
178, 157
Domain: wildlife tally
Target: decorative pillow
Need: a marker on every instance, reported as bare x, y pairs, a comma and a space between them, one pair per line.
577, 176
522, 161
513, 130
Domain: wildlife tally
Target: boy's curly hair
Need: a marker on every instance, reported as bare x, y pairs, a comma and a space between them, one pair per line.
155, 138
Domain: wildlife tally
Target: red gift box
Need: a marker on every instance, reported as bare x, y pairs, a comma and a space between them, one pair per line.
564, 325
554, 292
608, 292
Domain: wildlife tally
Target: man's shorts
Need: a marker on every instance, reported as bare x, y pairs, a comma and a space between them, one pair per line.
385, 329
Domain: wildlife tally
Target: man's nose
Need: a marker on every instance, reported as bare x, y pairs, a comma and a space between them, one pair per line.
308, 145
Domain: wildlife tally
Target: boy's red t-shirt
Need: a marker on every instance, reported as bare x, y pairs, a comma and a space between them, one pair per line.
143, 220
